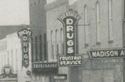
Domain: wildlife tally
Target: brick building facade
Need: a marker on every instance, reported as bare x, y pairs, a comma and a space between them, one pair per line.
100, 28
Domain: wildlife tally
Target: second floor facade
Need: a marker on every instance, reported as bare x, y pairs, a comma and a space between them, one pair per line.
100, 25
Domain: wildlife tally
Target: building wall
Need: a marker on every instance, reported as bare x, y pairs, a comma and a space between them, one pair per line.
37, 16
55, 33
11, 55
89, 31
106, 40
3, 51
9, 52
14, 50
38, 28
55, 28
100, 27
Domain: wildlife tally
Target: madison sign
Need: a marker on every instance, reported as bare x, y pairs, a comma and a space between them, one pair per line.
25, 35
107, 53
70, 20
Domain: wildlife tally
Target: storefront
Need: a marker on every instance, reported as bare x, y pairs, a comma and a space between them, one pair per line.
8, 75
102, 66
15, 64
44, 70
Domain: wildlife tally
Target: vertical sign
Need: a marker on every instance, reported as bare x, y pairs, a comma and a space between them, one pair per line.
70, 22
25, 35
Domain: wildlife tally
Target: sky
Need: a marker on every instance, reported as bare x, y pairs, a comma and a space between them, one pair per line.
14, 12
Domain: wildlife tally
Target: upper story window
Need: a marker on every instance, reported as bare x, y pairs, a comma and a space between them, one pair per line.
36, 48
86, 26
56, 39
32, 47
61, 35
55, 44
45, 48
40, 48
110, 21
98, 40
51, 36
61, 41
52, 46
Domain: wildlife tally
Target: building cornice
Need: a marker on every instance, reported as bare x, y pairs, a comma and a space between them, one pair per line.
56, 4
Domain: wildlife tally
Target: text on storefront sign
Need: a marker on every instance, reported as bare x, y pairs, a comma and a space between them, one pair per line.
70, 60
108, 53
44, 65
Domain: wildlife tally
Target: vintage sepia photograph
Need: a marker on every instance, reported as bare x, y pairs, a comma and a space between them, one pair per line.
62, 40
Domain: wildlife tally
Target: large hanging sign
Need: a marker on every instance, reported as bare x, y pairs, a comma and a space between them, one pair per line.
25, 35
70, 21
